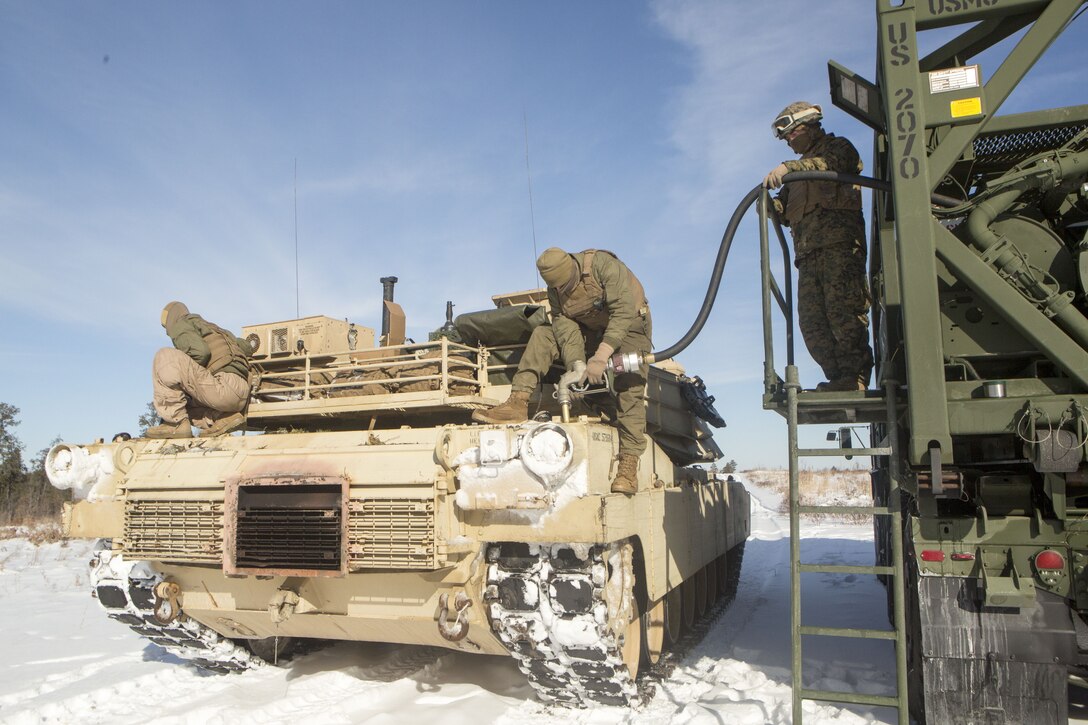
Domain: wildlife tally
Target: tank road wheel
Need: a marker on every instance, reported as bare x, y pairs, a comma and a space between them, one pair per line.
687, 597
700, 593
567, 614
732, 578
722, 564
270, 649
711, 570
674, 616
632, 646
654, 631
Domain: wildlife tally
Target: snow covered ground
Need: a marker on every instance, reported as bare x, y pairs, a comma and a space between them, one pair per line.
65, 662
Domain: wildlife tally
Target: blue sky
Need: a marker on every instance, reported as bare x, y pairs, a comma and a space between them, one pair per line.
151, 148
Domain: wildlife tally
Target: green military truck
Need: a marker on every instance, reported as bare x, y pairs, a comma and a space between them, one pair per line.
979, 273
364, 505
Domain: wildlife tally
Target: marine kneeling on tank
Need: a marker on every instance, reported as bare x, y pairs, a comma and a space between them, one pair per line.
597, 304
203, 380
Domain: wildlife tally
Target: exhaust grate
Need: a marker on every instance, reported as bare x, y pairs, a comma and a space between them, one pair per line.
392, 534
183, 531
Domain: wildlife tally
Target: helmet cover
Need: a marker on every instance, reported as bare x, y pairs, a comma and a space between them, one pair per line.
793, 115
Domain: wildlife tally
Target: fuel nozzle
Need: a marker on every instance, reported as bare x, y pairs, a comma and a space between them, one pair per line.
571, 381
565, 392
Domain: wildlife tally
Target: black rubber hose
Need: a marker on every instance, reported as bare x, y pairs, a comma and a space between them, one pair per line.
731, 230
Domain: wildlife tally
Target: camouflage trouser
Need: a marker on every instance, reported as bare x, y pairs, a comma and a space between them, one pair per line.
833, 307
628, 408
183, 389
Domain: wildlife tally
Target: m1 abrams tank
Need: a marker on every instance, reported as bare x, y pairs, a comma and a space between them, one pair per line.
369, 508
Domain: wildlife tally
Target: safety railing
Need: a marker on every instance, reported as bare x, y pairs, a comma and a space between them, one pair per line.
783, 295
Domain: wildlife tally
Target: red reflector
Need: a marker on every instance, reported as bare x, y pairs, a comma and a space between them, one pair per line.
932, 555
962, 557
1049, 560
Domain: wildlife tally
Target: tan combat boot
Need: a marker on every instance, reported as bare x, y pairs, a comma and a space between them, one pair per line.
181, 429
226, 424
626, 480
514, 410
844, 384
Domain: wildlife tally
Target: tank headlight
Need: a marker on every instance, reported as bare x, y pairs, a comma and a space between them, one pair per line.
547, 450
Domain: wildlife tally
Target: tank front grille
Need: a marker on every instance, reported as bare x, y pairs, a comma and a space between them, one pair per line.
276, 530
184, 531
391, 534
289, 528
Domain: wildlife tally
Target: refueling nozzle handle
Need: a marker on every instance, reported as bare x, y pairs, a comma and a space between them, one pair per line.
570, 379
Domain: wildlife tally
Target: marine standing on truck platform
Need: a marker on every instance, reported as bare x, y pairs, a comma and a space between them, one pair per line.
597, 303
203, 380
829, 247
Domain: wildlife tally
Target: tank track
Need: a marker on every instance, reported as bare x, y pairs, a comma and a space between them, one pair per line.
125, 589
675, 653
549, 606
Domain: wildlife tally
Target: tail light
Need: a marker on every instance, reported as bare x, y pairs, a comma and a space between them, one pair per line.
932, 555
1049, 565
1049, 560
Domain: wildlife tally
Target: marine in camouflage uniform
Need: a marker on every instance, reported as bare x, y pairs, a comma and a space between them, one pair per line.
202, 380
597, 304
829, 247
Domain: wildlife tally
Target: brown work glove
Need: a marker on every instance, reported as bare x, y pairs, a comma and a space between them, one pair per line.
596, 365
773, 180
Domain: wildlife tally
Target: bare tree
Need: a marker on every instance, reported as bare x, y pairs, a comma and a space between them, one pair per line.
12, 469
149, 418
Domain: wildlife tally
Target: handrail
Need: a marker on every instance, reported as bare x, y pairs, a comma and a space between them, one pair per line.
771, 288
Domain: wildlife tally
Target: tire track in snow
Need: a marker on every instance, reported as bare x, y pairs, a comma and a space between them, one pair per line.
123, 700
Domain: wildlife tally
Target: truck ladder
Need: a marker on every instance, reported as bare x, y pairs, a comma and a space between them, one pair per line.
797, 401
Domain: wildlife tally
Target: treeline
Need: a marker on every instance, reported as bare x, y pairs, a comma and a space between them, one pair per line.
26, 496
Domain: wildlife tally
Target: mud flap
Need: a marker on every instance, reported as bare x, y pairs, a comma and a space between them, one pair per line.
991, 664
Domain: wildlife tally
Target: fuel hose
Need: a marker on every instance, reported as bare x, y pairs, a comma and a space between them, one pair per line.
731, 230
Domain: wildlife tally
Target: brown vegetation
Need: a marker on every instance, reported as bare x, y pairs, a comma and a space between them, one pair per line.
829, 486
27, 499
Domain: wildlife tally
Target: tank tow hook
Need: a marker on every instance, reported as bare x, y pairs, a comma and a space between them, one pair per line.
282, 605
167, 608
459, 629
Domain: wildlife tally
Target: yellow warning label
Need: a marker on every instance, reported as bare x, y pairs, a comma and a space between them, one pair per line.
966, 107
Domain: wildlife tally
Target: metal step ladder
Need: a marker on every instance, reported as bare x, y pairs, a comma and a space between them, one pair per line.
796, 403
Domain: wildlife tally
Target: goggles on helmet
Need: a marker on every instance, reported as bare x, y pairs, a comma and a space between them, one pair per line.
789, 121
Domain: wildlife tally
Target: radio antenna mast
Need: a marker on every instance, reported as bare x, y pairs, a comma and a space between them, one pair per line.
297, 314
529, 176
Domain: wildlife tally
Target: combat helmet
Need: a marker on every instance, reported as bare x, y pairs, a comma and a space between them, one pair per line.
794, 115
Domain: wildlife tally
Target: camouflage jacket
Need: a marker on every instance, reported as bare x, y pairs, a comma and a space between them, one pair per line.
823, 213
618, 309
210, 345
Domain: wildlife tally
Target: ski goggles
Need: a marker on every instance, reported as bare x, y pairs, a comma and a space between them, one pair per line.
789, 121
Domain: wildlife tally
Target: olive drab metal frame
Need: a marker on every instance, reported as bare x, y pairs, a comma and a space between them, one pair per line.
918, 137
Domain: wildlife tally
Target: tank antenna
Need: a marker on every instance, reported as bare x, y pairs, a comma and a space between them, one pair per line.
297, 314
529, 176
